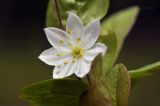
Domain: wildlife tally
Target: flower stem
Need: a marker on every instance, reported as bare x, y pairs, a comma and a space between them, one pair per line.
58, 14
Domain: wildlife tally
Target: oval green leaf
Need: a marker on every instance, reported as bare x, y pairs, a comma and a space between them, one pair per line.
118, 85
123, 86
59, 92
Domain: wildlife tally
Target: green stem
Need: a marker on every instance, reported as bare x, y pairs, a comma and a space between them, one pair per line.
58, 14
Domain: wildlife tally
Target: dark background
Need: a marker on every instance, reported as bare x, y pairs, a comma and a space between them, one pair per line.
22, 40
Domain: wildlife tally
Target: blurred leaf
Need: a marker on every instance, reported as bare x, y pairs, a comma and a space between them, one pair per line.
144, 71
51, 16
86, 9
118, 85
60, 92
120, 23
111, 42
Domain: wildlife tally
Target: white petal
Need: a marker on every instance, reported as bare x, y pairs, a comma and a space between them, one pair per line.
74, 26
92, 31
73, 68
63, 70
58, 38
50, 57
98, 48
83, 68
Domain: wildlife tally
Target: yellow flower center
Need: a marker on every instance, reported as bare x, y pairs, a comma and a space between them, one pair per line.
77, 52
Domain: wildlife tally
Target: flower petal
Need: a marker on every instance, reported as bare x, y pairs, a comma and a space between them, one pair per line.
58, 38
74, 26
53, 57
63, 70
98, 48
83, 68
73, 68
92, 31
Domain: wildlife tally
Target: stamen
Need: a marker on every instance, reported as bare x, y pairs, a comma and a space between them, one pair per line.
68, 31
66, 62
78, 39
77, 52
59, 54
69, 44
61, 41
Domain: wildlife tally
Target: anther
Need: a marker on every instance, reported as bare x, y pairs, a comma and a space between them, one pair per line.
69, 32
59, 54
78, 39
61, 41
66, 62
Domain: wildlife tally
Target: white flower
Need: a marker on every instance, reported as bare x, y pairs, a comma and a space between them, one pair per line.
74, 50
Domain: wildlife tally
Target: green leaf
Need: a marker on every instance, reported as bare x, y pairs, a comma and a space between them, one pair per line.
118, 85
110, 90
111, 42
94, 9
59, 92
86, 9
123, 86
144, 71
97, 94
111, 85
51, 16
120, 23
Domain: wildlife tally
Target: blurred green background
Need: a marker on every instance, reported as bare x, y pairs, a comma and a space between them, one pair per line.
22, 40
